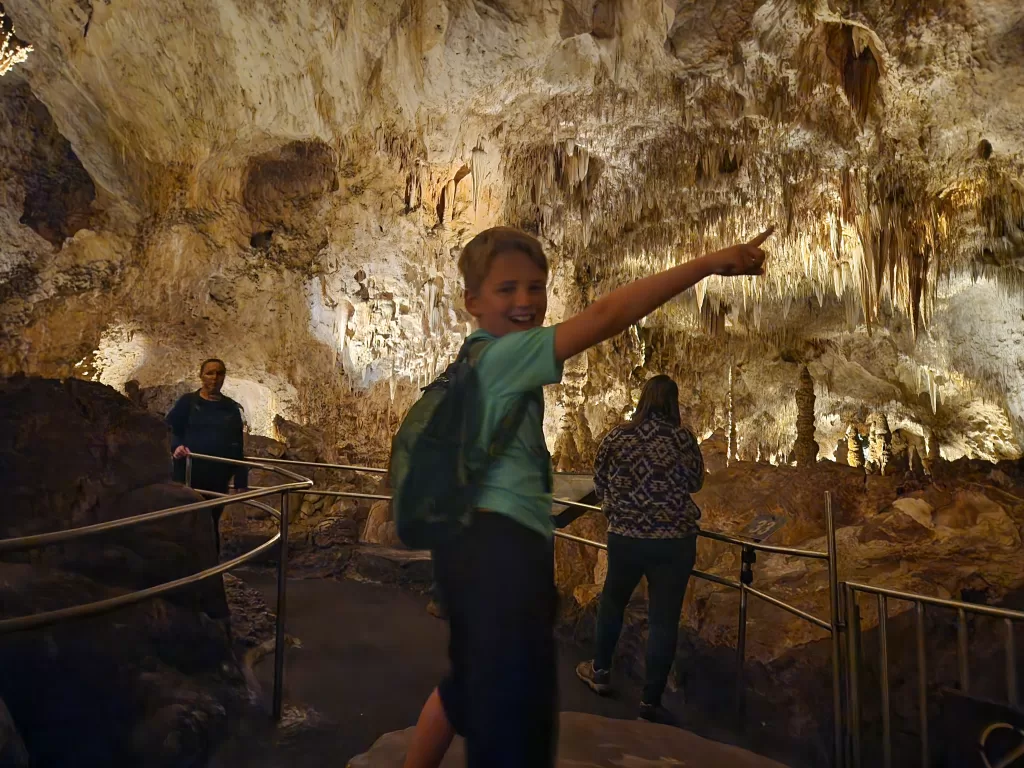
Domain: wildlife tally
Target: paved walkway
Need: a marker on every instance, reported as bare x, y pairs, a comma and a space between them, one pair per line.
370, 656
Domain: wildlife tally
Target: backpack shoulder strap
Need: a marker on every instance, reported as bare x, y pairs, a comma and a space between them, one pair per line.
472, 349
508, 427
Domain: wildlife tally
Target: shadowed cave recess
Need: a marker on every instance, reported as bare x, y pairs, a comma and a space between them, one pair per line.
288, 187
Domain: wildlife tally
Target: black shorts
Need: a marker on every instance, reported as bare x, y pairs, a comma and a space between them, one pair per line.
501, 694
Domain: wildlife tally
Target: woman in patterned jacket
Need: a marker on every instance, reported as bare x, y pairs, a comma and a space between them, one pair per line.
644, 474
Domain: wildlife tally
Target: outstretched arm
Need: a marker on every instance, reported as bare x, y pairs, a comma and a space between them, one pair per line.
612, 314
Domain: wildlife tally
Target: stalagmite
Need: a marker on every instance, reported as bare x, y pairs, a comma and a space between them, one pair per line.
854, 447
730, 452
805, 449
879, 455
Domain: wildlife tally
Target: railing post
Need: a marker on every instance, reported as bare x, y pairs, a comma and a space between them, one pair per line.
962, 650
922, 683
883, 664
282, 582
748, 557
853, 617
837, 668
1011, 666
188, 470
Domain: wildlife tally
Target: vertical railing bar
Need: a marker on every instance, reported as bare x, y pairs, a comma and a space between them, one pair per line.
961, 650
1011, 664
922, 683
883, 645
853, 616
837, 674
741, 652
282, 582
188, 470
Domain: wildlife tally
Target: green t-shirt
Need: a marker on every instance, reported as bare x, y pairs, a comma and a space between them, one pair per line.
518, 482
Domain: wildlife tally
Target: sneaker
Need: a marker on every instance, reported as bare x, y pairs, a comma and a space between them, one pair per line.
598, 680
655, 713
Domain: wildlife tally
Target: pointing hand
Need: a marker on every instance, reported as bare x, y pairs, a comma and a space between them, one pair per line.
742, 259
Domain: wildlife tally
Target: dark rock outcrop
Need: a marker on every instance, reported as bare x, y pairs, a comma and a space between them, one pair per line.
595, 742
148, 684
12, 749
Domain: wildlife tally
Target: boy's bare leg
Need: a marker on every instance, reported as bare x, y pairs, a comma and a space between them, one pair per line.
432, 737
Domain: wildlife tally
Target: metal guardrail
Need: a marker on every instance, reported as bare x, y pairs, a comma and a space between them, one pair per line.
847, 741
851, 591
749, 548
298, 483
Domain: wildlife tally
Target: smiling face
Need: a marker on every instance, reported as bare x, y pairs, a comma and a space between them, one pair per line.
513, 297
212, 377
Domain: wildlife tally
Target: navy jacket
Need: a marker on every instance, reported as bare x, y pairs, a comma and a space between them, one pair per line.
213, 427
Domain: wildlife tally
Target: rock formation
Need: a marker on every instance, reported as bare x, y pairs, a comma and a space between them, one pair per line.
806, 447
959, 537
290, 189
593, 742
155, 682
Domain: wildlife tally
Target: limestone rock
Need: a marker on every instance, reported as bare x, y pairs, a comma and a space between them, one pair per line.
589, 741
304, 444
264, 447
715, 452
155, 678
309, 234
380, 528
252, 621
12, 749
386, 565
959, 537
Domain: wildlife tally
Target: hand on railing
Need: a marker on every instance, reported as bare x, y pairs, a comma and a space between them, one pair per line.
180, 452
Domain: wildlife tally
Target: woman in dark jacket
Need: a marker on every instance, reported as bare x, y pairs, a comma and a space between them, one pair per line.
644, 474
207, 421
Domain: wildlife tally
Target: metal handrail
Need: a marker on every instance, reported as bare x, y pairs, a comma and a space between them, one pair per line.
910, 597
833, 627
883, 595
719, 536
358, 468
299, 483
46, 539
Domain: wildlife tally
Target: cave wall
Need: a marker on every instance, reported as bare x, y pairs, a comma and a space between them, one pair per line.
290, 187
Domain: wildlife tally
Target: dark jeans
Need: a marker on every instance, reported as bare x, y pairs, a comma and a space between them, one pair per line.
207, 476
667, 563
501, 694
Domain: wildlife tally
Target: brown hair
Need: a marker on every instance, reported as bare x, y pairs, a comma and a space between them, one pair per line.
480, 252
207, 361
659, 397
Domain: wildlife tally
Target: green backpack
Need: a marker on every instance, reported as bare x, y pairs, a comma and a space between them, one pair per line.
434, 469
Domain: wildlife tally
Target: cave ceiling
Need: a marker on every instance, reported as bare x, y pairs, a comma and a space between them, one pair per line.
287, 185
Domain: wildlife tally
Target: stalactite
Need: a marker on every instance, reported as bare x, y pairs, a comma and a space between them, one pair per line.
475, 170
805, 449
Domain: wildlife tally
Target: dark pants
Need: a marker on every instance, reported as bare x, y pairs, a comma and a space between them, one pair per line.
207, 476
667, 563
501, 694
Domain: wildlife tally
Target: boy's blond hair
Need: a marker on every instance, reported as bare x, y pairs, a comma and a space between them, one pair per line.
480, 252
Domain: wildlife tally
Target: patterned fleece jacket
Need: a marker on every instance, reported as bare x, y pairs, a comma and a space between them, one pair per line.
644, 475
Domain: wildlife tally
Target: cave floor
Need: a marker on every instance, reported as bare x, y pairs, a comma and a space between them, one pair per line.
370, 655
